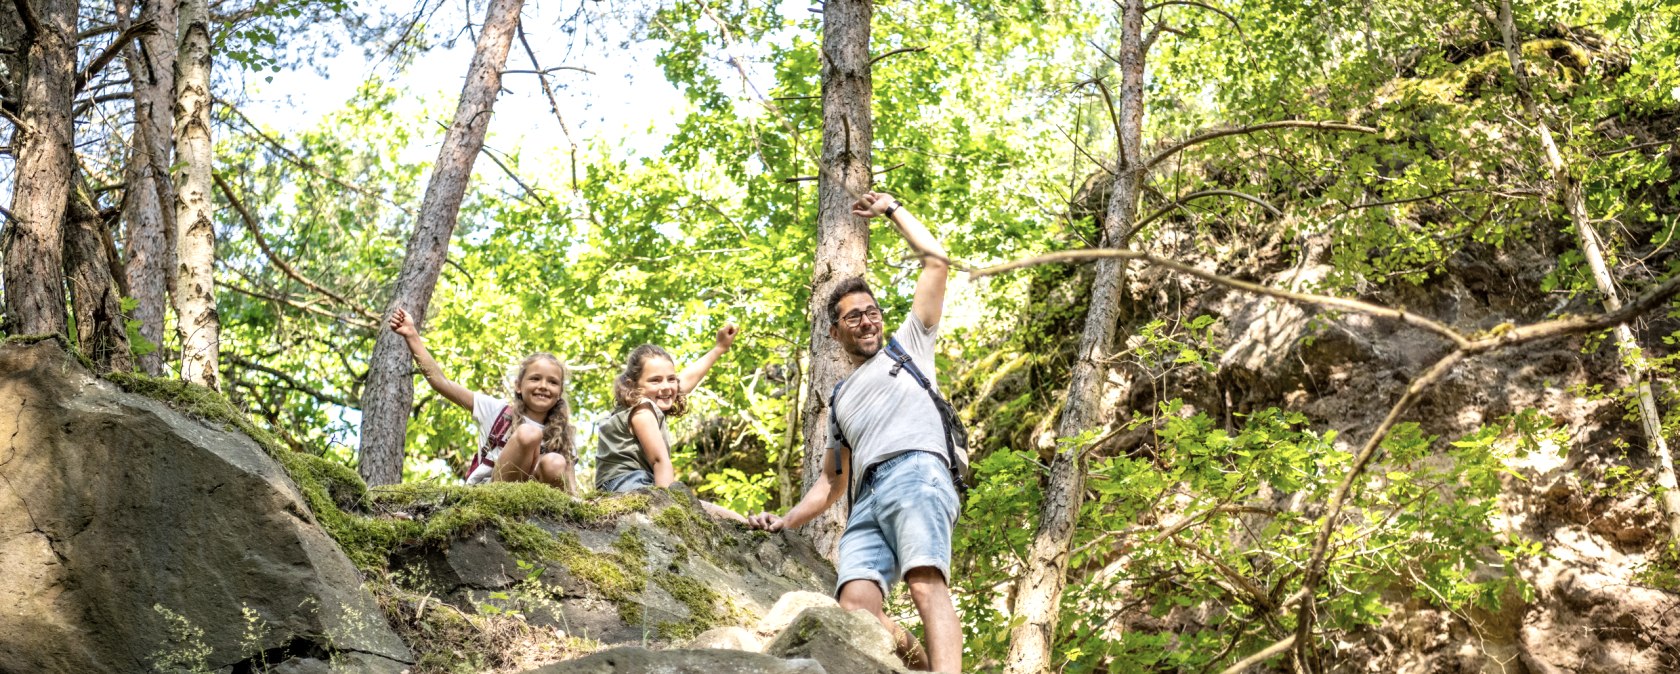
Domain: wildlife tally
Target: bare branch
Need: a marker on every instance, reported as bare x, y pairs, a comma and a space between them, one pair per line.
547, 71
293, 158
1181, 201
308, 308
1206, 136
900, 50
553, 104
509, 171
291, 382
802, 179
1193, 3
1357, 306
113, 50
1264, 655
256, 233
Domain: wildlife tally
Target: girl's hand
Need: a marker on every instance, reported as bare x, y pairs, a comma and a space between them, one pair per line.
872, 204
402, 324
726, 336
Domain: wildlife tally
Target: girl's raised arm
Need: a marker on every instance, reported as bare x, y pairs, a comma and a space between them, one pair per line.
644, 424
690, 377
402, 324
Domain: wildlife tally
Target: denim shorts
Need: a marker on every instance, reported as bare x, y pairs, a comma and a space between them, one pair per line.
627, 482
902, 520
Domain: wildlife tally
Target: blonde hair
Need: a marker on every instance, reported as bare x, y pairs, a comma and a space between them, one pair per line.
557, 424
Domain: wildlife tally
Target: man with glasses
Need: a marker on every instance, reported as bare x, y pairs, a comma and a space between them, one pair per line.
886, 432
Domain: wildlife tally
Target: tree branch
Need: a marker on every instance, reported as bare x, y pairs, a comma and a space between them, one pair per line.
546, 71
293, 158
113, 50
308, 308
1401, 315
801, 179
1181, 201
31, 25
256, 233
900, 50
1193, 3
553, 105
1264, 655
291, 382
1206, 136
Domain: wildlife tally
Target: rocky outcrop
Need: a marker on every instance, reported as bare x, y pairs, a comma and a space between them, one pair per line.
135, 538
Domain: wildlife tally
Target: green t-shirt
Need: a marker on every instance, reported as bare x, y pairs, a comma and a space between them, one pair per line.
617, 452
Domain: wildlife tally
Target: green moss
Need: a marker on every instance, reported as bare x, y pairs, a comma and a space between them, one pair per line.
685, 521
705, 608
200, 402
618, 576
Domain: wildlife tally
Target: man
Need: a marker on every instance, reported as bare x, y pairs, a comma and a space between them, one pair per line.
887, 445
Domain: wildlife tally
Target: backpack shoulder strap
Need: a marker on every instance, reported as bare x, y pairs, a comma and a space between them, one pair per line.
902, 359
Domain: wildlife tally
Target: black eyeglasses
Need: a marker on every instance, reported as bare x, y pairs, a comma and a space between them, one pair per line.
855, 318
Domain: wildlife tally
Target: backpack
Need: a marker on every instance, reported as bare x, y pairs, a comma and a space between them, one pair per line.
956, 437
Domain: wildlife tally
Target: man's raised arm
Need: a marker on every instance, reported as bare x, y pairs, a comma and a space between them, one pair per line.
929, 303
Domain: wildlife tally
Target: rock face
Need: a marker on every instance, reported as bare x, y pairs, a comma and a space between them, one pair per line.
844, 641
134, 538
635, 660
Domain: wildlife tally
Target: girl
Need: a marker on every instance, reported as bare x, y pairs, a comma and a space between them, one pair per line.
539, 447
635, 445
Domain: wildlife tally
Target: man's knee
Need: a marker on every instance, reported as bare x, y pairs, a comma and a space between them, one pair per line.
926, 582
861, 594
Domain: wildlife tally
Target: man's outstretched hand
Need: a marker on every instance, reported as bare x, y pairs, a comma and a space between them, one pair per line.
766, 521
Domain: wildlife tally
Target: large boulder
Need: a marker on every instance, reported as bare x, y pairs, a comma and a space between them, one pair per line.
636, 660
136, 538
843, 641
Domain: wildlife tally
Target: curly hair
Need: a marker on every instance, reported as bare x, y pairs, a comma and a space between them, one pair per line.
627, 393
849, 286
557, 425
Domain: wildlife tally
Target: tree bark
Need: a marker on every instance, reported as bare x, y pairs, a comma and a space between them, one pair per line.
100, 330
1038, 593
148, 200
35, 238
842, 238
1568, 191
390, 387
197, 327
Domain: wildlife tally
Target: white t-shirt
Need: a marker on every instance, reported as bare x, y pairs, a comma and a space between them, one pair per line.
486, 409
884, 414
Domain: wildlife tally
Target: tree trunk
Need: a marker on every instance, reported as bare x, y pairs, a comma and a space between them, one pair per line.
785, 497
100, 332
197, 327
390, 384
1569, 193
1038, 593
34, 249
842, 238
148, 201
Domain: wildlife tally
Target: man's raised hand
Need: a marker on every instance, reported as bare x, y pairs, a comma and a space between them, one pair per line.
726, 336
871, 204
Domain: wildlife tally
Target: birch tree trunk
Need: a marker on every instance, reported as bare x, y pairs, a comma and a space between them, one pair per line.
1038, 593
197, 327
390, 384
1568, 191
100, 331
842, 238
34, 250
148, 201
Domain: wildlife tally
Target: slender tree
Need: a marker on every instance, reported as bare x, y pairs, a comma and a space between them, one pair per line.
196, 324
1038, 594
390, 385
35, 236
1567, 190
149, 198
842, 238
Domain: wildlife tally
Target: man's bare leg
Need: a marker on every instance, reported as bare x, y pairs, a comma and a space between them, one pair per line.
939, 617
866, 595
